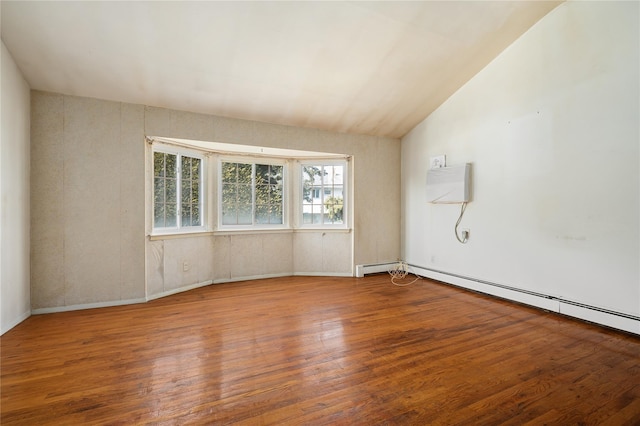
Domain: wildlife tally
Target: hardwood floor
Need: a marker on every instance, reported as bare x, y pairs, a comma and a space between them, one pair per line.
306, 350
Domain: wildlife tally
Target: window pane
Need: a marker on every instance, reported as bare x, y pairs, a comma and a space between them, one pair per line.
262, 194
333, 209
229, 172
309, 176
236, 194
275, 194
268, 194
171, 170
190, 190
171, 216
229, 215
229, 198
164, 189
168, 183
262, 214
333, 175
196, 164
195, 216
307, 216
244, 173
327, 176
262, 174
158, 164
244, 194
186, 191
317, 214
158, 190
171, 192
276, 175
186, 168
158, 215
186, 214
254, 195
244, 214
323, 198
228, 194
195, 192
276, 215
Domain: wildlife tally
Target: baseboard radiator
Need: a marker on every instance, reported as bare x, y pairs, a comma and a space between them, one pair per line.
374, 268
609, 318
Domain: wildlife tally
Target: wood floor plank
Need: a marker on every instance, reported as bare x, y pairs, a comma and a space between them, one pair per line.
318, 350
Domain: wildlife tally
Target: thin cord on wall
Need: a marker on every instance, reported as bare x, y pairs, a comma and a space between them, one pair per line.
400, 271
465, 236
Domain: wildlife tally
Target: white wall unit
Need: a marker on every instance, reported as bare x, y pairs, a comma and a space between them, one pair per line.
551, 127
449, 185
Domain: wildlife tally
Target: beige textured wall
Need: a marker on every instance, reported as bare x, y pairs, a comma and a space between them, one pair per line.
88, 204
87, 193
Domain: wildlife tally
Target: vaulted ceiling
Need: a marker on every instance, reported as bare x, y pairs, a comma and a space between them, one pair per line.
376, 68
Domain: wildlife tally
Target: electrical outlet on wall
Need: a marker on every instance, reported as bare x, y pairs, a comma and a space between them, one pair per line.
186, 266
437, 161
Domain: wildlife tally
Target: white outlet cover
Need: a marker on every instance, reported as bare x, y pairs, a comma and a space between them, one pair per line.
437, 161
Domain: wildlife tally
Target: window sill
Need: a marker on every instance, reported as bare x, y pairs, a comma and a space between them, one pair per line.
173, 235
280, 231
253, 231
319, 229
170, 236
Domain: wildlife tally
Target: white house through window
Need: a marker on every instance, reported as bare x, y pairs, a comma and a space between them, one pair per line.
323, 194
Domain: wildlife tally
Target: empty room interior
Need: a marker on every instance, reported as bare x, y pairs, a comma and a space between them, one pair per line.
320, 212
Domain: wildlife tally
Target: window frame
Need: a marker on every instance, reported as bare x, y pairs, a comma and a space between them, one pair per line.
180, 152
345, 163
275, 161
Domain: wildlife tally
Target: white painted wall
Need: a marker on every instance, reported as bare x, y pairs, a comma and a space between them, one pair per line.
551, 127
14, 179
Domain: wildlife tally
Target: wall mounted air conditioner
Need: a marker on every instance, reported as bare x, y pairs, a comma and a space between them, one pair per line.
449, 184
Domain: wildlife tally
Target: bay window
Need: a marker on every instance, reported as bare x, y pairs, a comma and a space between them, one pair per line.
208, 187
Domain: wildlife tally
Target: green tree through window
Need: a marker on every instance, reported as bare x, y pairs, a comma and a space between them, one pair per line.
165, 172
177, 190
190, 180
252, 194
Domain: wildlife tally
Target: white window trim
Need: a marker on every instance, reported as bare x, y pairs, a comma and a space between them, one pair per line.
284, 162
204, 190
213, 154
345, 191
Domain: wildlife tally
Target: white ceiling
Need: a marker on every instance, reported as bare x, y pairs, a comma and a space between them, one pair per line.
376, 68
